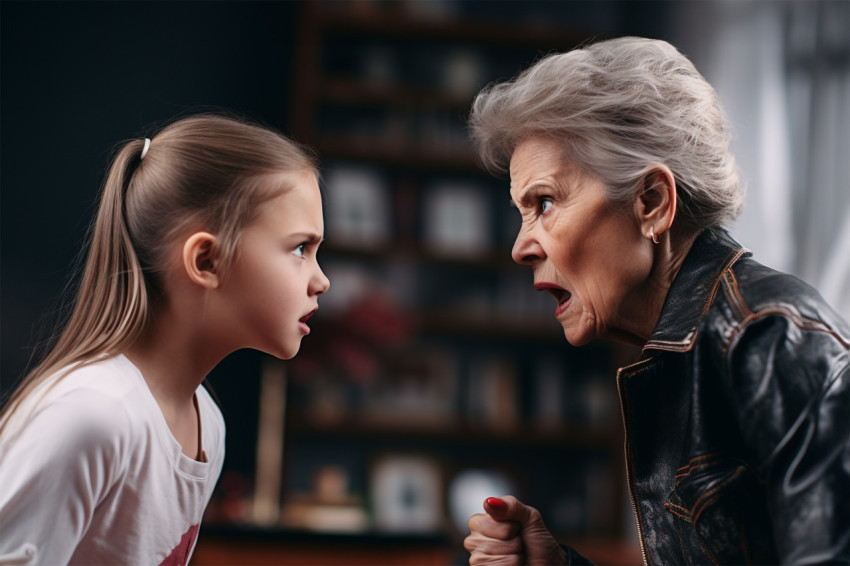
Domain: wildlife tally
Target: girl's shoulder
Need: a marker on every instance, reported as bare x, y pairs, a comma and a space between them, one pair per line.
88, 402
113, 376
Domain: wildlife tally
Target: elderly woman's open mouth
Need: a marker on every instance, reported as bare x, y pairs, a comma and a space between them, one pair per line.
562, 296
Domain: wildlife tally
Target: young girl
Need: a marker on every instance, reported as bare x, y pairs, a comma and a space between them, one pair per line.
204, 243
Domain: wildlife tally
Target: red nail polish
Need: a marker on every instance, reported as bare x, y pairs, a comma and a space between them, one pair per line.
496, 503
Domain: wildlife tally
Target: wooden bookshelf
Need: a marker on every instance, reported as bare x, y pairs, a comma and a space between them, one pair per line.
407, 126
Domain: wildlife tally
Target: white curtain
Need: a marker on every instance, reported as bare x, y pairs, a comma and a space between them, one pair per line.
782, 70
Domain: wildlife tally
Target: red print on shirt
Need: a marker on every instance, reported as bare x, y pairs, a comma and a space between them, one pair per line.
180, 555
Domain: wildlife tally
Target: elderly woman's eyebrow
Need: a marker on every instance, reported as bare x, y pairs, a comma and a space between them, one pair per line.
527, 195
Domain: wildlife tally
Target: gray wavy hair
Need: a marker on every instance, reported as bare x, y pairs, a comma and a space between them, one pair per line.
620, 107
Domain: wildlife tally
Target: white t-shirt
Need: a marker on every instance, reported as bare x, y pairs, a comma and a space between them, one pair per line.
96, 477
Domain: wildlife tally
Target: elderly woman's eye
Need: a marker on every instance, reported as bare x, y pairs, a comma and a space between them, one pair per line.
544, 205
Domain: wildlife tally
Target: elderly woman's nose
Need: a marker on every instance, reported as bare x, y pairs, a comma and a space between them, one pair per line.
527, 249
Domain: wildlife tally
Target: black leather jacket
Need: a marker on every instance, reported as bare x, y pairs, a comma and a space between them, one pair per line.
737, 418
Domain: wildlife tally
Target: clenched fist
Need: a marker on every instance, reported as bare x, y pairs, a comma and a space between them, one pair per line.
511, 534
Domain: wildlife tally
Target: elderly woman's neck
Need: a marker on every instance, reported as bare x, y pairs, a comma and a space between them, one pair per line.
645, 308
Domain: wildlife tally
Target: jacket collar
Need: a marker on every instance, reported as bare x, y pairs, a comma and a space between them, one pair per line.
693, 290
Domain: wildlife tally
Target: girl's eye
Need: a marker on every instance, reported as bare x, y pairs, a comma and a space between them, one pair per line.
299, 251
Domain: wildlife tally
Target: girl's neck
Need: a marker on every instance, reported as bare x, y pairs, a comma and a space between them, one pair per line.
173, 359
173, 365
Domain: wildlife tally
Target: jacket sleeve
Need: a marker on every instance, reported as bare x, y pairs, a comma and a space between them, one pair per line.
54, 471
790, 389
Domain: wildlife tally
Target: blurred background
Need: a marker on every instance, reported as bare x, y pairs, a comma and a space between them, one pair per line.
435, 375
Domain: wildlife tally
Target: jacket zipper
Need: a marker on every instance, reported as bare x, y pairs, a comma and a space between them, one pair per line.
629, 478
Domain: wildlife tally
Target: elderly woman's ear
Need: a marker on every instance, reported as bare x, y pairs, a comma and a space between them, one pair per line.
655, 206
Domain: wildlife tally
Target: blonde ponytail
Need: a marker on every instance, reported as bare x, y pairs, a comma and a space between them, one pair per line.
111, 306
206, 170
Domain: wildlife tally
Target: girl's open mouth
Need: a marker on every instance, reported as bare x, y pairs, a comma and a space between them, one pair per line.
302, 322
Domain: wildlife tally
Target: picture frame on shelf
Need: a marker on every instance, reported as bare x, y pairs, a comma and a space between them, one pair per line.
407, 494
456, 220
359, 207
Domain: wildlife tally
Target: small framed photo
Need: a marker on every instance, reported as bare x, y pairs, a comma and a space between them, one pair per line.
407, 494
359, 207
457, 219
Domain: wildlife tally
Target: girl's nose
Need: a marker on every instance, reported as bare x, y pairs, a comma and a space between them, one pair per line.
321, 283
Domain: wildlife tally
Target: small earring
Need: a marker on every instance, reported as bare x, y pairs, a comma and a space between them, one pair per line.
652, 235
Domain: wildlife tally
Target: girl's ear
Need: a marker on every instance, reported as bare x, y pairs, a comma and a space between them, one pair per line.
656, 204
199, 260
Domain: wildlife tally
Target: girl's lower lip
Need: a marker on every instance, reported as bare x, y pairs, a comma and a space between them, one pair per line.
304, 328
562, 307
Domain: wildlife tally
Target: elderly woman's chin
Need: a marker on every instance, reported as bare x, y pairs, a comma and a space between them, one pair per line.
588, 328
577, 339
578, 330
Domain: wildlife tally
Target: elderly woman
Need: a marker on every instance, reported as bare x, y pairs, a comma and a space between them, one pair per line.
736, 414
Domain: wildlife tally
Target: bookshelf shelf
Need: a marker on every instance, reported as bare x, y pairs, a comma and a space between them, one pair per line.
249, 544
491, 260
395, 152
454, 432
494, 326
353, 91
225, 545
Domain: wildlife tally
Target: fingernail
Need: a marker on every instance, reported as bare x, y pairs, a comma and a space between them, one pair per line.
496, 502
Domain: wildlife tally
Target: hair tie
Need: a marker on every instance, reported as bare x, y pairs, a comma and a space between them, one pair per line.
145, 149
